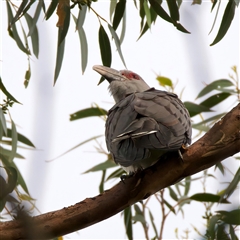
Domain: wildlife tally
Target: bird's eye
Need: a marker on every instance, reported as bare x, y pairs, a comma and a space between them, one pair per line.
135, 76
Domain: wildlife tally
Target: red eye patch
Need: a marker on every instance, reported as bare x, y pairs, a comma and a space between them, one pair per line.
130, 75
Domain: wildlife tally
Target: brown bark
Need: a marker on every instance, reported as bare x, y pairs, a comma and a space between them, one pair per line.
220, 142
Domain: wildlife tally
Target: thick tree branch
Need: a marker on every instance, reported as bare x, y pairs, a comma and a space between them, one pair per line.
220, 142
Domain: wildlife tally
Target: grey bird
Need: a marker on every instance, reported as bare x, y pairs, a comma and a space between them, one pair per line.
144, 123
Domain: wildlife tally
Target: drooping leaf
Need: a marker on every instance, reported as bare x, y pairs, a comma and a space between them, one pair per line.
35, 18
171, 208
117, 43
12, 30
83, 41
112, 7
173, 194
101, 185
211, 226
14, 137
187, 181
78, 145
123, 30
147, 13
88, 112
34, 34
119, 11
153, 224
20, 138
207, 197
3, 124
81, 17
233, 185
63, 12
19, 11
173, 9
59, 58
195, 109
51, 8
220, 167
128, 222
102, 166
12, 178
226, 21
219, 85
7, 153
105, 47
215, 99
20, 180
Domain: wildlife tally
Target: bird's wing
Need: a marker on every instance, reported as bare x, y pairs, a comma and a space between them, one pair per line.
149, 120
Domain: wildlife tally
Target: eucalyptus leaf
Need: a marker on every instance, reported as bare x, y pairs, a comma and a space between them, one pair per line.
232, 217
195, 109
51, 8
226, 21
219, 85
88, 112
101, 166
173, 8
207, 197
117, 43
128, 222
215, 99
105, 47
119, 11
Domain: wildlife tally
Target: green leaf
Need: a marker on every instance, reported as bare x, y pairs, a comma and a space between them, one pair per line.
20, 137
20, 180
123, 31
173, 8
63, 30
3, 123
219, 85
83, 42
12, 178
105, 47
232, 233
119, 11
7, 153
117, 43
207, 197
173, 194
164, 81
59, 58
220, 167
160, 11
112, 7
195, 109
116, 174
153, 224
128, 222
12, 30
101, 166
51, 8
34, 35
215, 99
211, 226
232, 217
226, 21
101, 185
35, 18
19, 11
78, 145
171, 208
88, 112
14, 137
81, 17
211, 119
8, 94
187, 181
233, 185
147, 12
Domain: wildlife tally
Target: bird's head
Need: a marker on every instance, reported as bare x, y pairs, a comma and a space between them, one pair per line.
121, 82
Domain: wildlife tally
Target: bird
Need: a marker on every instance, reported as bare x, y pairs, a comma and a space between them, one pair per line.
144, 123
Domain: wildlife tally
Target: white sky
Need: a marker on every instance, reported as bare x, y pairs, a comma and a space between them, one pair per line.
44, 115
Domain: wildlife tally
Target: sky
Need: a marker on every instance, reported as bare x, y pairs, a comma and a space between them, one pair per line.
44, 114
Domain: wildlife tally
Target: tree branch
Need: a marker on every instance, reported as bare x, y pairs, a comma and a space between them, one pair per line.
220, 142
